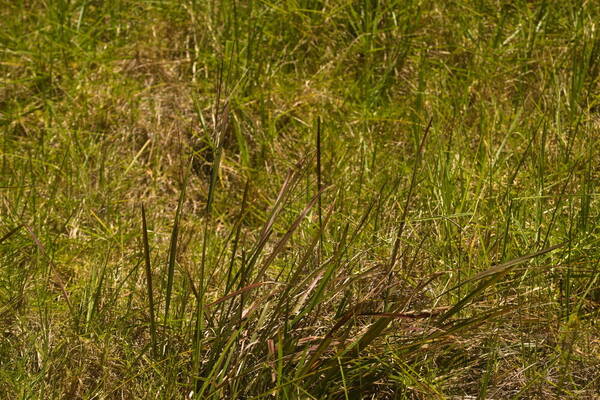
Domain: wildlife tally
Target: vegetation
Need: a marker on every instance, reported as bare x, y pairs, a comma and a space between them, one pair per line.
299, 199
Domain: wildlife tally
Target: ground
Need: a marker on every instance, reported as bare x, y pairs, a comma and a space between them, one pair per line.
299, 199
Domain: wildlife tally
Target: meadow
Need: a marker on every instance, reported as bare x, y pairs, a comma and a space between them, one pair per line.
299, 199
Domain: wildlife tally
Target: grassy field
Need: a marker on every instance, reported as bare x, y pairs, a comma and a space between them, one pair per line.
299, 199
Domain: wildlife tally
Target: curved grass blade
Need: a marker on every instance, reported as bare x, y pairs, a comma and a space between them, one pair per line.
495, 273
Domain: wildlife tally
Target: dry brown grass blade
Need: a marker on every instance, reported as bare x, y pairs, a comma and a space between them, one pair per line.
239, 291
289, 182
279, 246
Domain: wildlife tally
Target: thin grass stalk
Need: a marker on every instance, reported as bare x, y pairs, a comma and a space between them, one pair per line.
150, 292
319, 188
173, 252
413, 181
280, 245
221, 127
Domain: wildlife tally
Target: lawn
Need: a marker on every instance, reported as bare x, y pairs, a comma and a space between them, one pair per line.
299, 199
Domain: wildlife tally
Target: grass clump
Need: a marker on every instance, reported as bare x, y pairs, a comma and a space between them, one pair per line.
299, 199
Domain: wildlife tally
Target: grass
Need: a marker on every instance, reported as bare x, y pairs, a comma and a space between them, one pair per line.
299, 199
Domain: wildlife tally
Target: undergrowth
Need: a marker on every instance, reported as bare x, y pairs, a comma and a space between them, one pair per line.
299, 199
